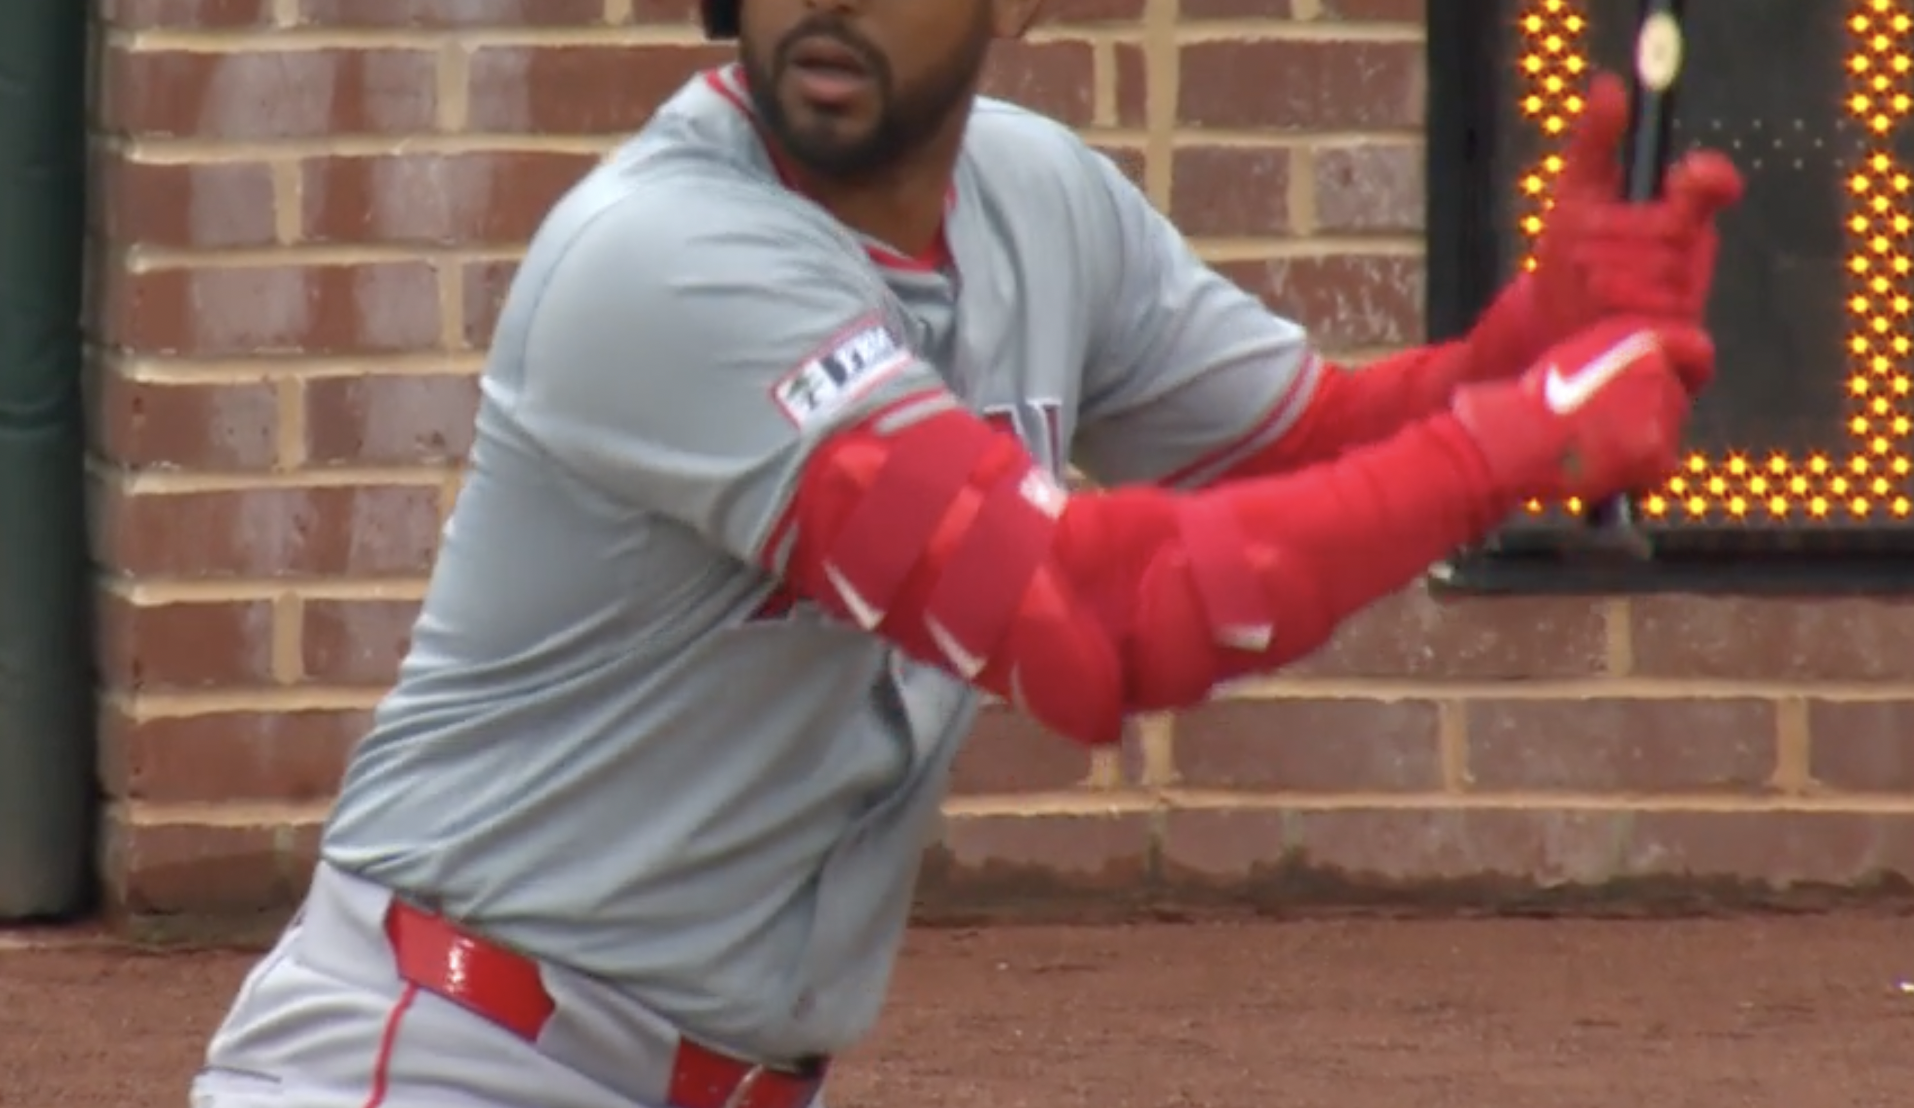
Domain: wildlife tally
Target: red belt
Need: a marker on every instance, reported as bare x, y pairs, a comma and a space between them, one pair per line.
504, 987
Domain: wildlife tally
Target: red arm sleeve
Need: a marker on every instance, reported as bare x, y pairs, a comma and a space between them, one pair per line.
1351, 408
933, 530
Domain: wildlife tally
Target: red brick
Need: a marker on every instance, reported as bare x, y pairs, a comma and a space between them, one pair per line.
185, 14
1231, 850
1071, 13
1003, 863
268, 94
1346, 300
183, 645
664, 11
300, 852
1748, 639
1377, 11
203, 205
142, 424
1351, 854
1008, 752
1132, 85
1372, 187
452, 13
1191, 10
1862, 746
377, 308
485, 285
479, 198
1524, 848
1225, 190
1770, 849
415, 419
1057, 79
356, 642
579, 89
1291, 85
1620, 745
198, 869
228, 756
1413, 634
1311, 745
295, 532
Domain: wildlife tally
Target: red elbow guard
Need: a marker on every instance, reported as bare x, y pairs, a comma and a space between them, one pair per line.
925, 525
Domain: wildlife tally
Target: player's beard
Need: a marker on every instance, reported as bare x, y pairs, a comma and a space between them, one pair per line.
906, 118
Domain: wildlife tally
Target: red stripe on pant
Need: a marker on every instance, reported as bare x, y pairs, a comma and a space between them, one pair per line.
388, 1038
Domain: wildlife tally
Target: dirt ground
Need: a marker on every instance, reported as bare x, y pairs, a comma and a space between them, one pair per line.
1790, 1012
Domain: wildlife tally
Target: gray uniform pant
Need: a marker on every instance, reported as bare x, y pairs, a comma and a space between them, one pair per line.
327, 1020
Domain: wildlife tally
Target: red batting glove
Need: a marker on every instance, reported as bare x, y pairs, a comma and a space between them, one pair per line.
1601, 256
1599, 415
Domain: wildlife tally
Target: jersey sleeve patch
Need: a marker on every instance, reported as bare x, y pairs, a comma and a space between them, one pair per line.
847, 367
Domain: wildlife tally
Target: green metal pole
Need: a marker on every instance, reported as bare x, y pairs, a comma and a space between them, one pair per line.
47, 794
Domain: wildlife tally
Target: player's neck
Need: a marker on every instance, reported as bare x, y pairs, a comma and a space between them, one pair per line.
902, 207
906, 217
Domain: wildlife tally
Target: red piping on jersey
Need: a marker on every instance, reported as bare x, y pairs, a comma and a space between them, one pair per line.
930, 261
1278, 411
389, 1038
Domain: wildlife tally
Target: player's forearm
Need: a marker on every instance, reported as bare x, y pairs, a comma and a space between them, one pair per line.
945, 537
1353, 407
1251, 576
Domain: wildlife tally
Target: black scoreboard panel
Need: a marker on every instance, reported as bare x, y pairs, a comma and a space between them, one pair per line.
1805, 448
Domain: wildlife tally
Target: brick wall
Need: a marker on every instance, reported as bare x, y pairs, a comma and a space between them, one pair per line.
309, 208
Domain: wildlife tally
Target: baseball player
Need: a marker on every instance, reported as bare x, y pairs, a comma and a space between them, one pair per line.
768, 494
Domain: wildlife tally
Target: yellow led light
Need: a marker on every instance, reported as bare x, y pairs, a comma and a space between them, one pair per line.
1551, 70
1868, 476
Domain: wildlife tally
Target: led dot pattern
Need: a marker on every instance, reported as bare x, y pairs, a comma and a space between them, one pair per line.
1866, 480
1553, 70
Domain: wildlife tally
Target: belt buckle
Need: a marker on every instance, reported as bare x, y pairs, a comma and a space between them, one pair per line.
741, 1092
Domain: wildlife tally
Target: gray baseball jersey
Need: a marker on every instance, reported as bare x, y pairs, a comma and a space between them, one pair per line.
611, 744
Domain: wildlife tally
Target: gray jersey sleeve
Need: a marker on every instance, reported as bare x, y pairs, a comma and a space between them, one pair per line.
1188, 372
693, 341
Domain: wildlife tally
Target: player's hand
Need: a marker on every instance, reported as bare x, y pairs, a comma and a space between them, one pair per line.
1600, 256
1598, 415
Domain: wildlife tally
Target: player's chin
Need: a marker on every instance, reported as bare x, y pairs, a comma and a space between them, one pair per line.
832, 144
834, 123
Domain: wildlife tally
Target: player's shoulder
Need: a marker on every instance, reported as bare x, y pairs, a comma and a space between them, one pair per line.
1007, 138
1002, 126
694, 184
1038, 165
662, 218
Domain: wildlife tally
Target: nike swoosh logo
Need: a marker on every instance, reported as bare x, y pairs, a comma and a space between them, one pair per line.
1564, 394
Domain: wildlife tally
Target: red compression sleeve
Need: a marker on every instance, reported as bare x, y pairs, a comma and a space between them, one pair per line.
942, 535
1351, 408
1263, 571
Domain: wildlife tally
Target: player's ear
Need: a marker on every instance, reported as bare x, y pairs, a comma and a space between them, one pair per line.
1011, 18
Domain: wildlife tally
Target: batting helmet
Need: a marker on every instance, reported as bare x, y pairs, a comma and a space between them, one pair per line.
720, 18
